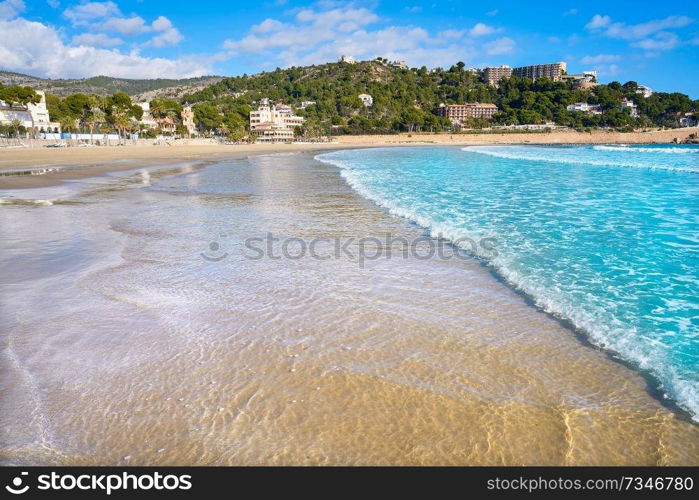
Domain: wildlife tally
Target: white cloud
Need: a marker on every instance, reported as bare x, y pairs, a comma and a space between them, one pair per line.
96, 40
660, 41
314, 36
636, 31
169, 35
267, 26
607, 69
311, 29
35, 48
451, 34
129, 26
54, 4
504, 45
600, 58
598, 21
414, 9
492, 13
83, 14
481, 29
571, 12
106, 17
11, 8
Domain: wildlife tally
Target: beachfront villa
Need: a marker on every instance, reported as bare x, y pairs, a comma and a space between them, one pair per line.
167, 125
32, 116
270, 123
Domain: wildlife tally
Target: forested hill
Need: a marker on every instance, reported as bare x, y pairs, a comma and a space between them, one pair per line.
404, 99
104, 85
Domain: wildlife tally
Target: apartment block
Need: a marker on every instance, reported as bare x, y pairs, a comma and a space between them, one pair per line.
493, 75
553, 71
459, 113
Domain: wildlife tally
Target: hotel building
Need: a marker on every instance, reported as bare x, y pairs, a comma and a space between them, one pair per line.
273, 124
493, 75
553, 72
458, 113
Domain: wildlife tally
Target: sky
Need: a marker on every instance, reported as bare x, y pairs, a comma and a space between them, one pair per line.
651, 42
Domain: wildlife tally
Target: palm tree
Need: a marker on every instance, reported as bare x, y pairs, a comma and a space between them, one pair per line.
93, 118
67, 123
121, 123
16, 124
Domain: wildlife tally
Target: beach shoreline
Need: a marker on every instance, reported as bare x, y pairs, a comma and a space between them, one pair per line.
401, 362
76, 163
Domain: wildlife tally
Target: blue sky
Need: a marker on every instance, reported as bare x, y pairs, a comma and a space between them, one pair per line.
654, 43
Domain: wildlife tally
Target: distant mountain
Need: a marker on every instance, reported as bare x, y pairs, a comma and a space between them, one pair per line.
104, 85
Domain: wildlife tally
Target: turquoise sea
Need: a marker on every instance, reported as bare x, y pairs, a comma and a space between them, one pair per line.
604, 237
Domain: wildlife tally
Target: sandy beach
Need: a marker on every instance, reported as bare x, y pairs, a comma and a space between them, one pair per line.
124, 346
75, 163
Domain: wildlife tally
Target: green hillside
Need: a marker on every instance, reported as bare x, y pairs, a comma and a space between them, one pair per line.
404, 99
104, 85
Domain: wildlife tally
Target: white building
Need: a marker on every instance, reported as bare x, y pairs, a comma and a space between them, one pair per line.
348, 60
9, 113
688, 120
626, 104
584, 107
366, 99
147, 118
644, 91
399, 64
270, 124
305, 104
584, 80
188, 120
31, 116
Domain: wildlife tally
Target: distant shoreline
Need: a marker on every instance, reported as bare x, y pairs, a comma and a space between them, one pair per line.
77, 163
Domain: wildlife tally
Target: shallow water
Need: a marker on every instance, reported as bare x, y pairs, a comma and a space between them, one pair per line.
128, 337
606, 237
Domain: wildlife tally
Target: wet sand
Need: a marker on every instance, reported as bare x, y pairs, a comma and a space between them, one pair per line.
123, 346
79, 163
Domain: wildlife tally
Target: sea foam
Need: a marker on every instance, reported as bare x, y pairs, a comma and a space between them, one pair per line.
589, 242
